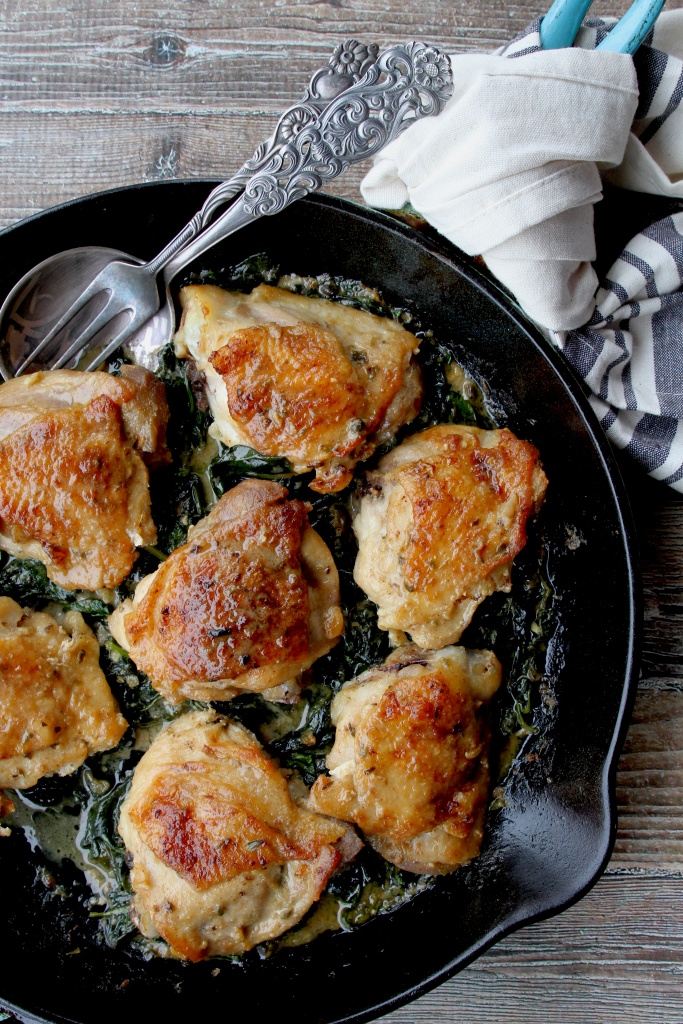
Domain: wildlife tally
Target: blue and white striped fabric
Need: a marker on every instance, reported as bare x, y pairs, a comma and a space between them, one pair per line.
630, 353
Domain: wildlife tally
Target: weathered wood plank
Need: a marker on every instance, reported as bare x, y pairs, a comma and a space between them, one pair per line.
659, 519
650, 787
48, 159
129, 52
650, 773
617, 956
137, 56
207, 55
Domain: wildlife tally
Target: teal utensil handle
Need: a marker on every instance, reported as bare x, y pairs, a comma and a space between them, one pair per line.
562, 22
629, 32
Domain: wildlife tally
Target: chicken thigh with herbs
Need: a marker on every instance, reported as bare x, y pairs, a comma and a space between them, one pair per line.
56, 707
439, 523
315, 381
223, 857
248, 603
409, 764
74, 486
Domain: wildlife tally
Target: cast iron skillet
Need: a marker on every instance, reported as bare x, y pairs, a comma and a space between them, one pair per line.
551, 841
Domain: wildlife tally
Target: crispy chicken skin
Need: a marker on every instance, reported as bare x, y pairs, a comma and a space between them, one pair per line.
409, 763
248, 603
74, 487
55, 703
309, 379
223, 857
438, 525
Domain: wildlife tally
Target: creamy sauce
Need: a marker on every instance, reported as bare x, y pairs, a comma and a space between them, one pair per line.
53, 830
199, 464
146, 734
57, 832
286, 718
325, 917
466, 387
334, 914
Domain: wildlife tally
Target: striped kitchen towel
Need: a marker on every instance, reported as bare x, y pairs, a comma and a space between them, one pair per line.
630, 353
511, 169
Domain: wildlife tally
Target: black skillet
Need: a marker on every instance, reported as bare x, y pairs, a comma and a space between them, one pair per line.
549, 843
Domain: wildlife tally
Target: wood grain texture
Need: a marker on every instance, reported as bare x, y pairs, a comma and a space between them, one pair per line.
144, 54
207, 55
97, 94
614, 958
650, 787
650, 775
45, 159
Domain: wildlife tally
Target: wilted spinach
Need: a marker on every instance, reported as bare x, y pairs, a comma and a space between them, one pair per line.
189, 416
442, 403
140, 703
518, 627
27, 583
177, 504
176, 490
255, 270
349, 293
106, 851
231, 465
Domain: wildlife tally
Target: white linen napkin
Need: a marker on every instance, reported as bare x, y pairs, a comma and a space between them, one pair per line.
510, 171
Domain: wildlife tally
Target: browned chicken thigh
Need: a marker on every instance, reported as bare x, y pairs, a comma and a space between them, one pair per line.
223, 857
439, 523
248, 603
56, 707
409, 763
74, 486
312, 380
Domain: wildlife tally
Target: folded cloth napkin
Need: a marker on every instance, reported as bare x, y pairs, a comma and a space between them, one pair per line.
511, 169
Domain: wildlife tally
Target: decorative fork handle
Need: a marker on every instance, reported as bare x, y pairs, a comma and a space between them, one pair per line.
405, 83
346, 66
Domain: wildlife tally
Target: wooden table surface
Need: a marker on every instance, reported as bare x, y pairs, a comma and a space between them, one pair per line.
99, 93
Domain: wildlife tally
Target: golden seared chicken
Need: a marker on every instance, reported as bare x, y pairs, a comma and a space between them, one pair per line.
312, 380
56, 707
248, 603
74, 486
409, 763
438, 525
222, 856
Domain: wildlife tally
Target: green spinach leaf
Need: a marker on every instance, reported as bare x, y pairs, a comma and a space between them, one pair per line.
27, 583
231, 465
